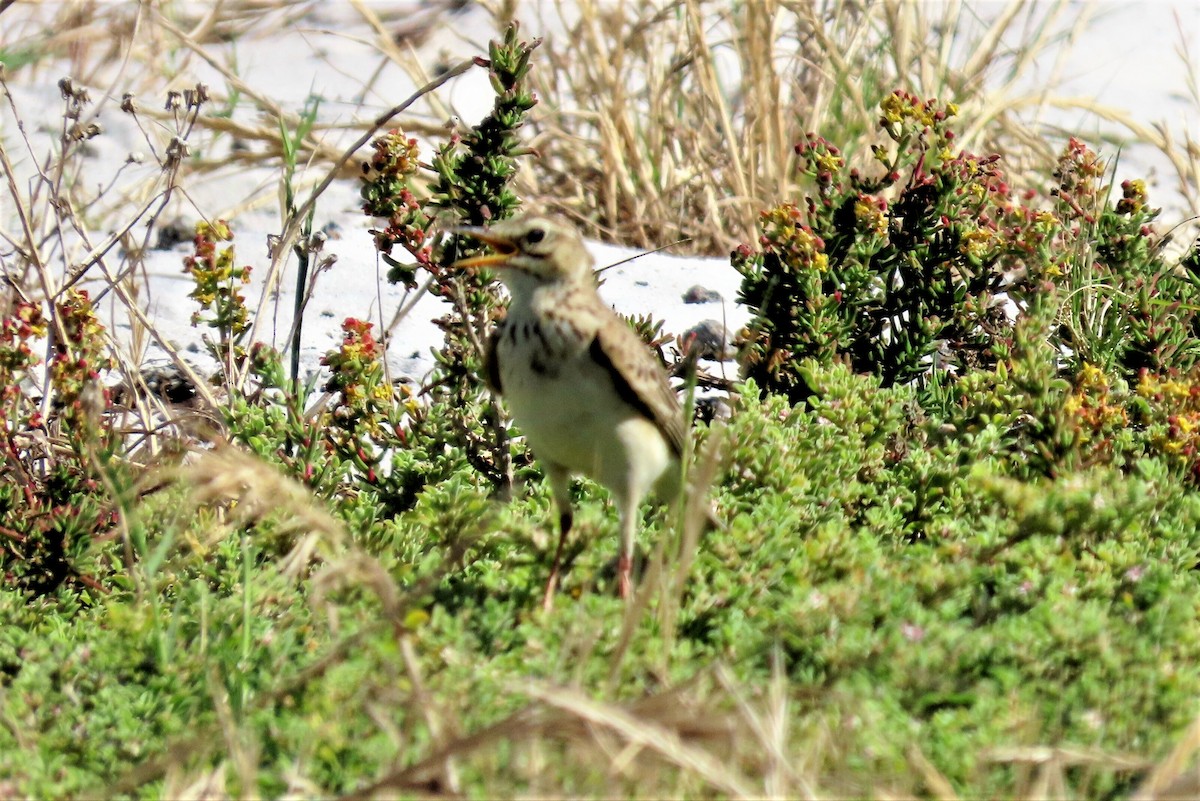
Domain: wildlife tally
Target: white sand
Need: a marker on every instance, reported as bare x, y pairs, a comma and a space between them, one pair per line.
1126, 61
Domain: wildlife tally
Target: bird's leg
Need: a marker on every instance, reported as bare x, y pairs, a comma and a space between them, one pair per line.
628, 509
560, 484
564, 523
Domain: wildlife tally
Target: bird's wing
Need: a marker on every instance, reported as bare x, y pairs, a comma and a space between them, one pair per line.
491, 364
639, 378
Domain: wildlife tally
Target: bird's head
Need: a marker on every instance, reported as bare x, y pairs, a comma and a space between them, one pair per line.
543, 249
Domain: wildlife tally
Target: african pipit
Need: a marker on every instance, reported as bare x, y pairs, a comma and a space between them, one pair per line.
588, 393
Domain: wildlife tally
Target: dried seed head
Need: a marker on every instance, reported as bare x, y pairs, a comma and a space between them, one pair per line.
195, 97
177, 151
316, 242
81, 132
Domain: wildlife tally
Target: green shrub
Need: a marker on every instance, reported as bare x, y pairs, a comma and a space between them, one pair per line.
883, 283
471, 186
59, 467
976, 535
905, 275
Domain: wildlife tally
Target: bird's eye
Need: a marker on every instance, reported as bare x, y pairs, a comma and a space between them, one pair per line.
535, 236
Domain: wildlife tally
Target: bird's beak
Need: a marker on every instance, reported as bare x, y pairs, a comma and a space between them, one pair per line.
503, 247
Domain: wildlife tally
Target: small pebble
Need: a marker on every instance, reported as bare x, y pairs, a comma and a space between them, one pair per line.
713, 407
168, 382
699, 294
173, 233
710, 339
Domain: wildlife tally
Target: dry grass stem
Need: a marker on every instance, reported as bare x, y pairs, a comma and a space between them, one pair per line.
1172, 778
253, 491
644, 733
681, 120
936, 783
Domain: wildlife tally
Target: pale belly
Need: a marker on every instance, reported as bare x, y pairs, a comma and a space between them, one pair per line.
576, 419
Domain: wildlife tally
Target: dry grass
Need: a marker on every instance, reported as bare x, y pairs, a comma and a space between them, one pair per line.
676, 120
673, 121
680, 119
1177, 776
68, 231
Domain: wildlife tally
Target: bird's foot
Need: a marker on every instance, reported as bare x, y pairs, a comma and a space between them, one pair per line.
551, 585
625, 577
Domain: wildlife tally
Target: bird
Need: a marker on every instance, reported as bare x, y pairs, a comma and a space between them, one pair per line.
587, 392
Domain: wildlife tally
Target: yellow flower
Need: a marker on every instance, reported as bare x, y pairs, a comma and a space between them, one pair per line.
893, 108
1176, 390
1092, 377
869, 217
827, 162
977, 243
